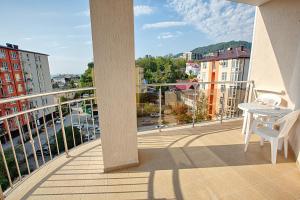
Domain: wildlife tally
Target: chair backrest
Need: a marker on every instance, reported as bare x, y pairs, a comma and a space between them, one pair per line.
269, 99
287, 122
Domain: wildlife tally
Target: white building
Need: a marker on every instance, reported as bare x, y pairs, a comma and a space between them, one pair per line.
192, 68
37, 77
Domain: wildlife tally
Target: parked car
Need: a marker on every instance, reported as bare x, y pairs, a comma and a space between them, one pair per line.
45, 151
79, 126
58, 121
154, 115
88, 137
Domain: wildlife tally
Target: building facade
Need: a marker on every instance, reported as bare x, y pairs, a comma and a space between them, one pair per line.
38, 80
23, 72
225, 66
12, 83
228, 66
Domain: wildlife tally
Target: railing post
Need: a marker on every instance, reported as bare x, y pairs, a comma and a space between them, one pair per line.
63, 128
1, 193
31, 140
70, 110
13, 149
5, 165
160, 120
223, 90
250, 91
194, 106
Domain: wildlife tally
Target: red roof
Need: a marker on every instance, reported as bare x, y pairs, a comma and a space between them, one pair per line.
234, 53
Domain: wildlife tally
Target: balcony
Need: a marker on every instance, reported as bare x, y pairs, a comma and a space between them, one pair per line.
193, 158
204, 162
65, 159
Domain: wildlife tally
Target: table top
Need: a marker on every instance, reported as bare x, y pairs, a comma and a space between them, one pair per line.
262, 109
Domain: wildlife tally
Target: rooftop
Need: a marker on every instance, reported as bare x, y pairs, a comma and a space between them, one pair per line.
232, 53
206, 162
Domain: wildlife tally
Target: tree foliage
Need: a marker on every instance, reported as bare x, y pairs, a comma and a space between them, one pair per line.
162, 69
86, 79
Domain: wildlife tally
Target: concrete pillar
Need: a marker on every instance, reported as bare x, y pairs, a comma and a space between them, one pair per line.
114, 62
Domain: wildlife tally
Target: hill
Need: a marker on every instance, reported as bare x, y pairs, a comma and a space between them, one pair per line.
220, 46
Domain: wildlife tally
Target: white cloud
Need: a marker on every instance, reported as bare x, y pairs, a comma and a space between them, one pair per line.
166, 24
168, 35
82, 26
142, 10
220, 19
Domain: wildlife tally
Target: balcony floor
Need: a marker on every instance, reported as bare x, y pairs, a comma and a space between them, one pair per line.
200, 163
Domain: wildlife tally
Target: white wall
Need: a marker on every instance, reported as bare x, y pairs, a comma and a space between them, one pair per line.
275, 60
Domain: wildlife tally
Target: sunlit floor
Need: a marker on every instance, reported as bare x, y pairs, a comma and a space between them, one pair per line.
196, 163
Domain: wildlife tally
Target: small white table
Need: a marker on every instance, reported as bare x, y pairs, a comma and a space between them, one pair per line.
261, 109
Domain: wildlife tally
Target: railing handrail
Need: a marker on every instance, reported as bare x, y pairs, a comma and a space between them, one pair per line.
25, 97
193, 83
2, 118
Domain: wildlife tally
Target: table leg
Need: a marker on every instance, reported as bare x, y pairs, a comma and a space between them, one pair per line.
244, 123
248, 126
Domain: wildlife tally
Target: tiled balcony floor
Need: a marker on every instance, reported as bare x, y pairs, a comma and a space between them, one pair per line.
199, 163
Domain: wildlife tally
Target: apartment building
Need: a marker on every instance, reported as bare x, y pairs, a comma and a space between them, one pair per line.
37, 79
226, 65
12, 83
191, 56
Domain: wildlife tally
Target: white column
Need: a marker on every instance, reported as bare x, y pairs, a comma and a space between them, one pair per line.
114, 61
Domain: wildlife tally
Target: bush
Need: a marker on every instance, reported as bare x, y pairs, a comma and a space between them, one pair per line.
184, 118
69, 138
180, 109
150, 108
11, 166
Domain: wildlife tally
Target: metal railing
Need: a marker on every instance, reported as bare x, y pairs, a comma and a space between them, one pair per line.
33, 136
176, 104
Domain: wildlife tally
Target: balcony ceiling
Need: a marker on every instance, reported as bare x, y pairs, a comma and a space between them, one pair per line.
251, 2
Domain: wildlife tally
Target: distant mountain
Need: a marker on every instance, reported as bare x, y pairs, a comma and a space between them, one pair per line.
221, 46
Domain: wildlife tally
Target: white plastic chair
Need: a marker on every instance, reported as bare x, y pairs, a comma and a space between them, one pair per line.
269, 99
272, 135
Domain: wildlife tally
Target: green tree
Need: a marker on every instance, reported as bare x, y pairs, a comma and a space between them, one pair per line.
162, 69
86, 79
201, 110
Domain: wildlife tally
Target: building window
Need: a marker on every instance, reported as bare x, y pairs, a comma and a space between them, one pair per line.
204, 65
13, 55
15, 109
20, 88
224, 63
224, 76
4, 66
16, 66
234, 76
223, 88
2, 53
10, 89
18, 77
7, 77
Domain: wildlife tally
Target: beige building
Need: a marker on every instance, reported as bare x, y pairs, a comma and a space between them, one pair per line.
228, 66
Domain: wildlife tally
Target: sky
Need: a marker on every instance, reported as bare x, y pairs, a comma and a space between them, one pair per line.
61, 28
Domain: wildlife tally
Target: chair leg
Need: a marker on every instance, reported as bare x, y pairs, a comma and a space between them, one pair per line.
286, 146
247, 140
274, 146
262, 140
